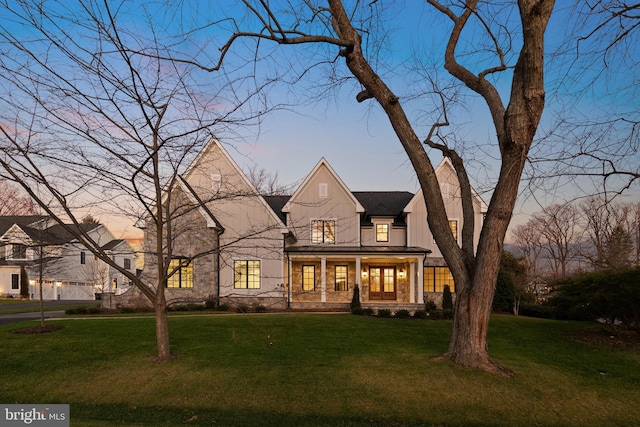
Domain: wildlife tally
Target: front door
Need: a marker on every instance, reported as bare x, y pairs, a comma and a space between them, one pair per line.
382, 283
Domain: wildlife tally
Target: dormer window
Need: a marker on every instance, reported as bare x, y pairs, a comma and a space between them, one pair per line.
323, 231
382, 232
18, 251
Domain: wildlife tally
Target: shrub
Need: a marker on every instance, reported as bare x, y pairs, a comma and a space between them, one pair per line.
447, 300
127, 309
367, 311
355, 300
260, 308
430, 306
223, 307
403, 314
420, 314
210, 303
357, 310
384, 312
242, 308
447, 314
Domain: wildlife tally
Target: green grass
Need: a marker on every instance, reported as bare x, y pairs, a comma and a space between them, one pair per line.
320, 370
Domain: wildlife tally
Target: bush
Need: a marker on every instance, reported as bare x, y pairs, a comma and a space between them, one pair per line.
223, 307
355, 300
242, 308
542, 311
420, 314
430, 306
368, 311
447, 299
403, 314
384, 312
260, 308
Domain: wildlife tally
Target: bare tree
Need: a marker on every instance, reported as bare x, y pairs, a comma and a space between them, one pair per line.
515, 120
528, 238
14, 202
561, 230
96, 115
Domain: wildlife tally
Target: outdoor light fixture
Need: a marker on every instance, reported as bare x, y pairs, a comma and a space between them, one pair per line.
364, 273
401, 274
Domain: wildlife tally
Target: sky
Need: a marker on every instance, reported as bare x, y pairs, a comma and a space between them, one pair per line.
356, 138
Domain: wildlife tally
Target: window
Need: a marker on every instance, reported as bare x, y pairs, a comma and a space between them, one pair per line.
246, 274
83, 257
382, 232
341, 277
18, 251
216, 182
181, 273
323, 231
127, 264
436, 277
453, 225
308, 277
15, 281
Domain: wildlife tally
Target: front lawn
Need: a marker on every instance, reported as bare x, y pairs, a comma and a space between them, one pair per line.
317, 370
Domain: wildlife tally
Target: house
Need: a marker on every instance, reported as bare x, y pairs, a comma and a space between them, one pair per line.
307, 250
34, 247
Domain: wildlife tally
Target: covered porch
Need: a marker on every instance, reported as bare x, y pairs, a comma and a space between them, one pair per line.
325, 277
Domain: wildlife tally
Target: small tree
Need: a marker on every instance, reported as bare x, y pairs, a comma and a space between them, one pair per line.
355, 300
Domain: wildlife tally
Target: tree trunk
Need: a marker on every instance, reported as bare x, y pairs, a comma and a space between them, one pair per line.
162, 328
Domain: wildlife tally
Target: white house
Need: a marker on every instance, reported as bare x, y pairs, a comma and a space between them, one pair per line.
34, 248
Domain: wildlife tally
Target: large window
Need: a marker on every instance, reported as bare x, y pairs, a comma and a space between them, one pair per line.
18, 251
181, 270
246, 274
382, 232
436, 277
341, 277
15, 281
308, 277
323, 231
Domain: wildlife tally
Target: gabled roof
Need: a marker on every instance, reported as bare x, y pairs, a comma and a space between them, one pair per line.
323, 163
446, 163
113, 244
213, 142
383, 203
58, 234
23, 221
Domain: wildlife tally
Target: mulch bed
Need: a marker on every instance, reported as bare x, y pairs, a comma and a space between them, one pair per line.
37, 329
620, 338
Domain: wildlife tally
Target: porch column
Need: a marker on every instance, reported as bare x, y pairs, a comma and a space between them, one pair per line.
412, 282
420, 266
323, 279
288, 274
359, 276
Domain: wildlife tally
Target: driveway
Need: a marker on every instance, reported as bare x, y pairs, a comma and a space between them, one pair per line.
31, 310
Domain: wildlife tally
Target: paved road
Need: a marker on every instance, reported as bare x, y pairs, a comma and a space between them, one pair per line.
32, 310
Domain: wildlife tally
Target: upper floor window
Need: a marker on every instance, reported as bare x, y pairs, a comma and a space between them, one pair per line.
18, 251
127, 263
323, 231
308, 277
323, 190
181, 273
83, 257
382, 232
453, 225
246, 274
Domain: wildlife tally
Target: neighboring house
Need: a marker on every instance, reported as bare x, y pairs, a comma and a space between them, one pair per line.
32, 247
308, 250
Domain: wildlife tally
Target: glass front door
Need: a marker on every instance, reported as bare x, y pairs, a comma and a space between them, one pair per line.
382, 283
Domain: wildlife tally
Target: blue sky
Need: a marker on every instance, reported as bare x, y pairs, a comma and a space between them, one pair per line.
357, 139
